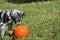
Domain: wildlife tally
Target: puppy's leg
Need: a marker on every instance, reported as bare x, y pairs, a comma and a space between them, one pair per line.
2, 30
10, 28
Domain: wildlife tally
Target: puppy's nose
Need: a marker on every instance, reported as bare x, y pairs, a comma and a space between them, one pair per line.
18, 23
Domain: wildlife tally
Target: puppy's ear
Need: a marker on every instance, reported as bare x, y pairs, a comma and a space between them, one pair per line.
23, 15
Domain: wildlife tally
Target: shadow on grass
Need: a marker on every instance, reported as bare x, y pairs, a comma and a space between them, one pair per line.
25, 1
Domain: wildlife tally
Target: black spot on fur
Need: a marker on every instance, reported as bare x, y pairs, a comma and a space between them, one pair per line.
5, 18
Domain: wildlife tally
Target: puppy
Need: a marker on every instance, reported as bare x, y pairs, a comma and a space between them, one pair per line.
7, 17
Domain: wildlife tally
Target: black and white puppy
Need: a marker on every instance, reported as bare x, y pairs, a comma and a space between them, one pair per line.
8, 17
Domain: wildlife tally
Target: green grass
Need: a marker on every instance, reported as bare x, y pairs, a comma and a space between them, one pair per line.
42, 19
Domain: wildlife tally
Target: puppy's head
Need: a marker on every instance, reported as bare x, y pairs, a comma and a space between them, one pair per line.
18, 17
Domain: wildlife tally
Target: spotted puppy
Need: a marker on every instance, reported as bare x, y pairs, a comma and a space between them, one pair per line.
7, 17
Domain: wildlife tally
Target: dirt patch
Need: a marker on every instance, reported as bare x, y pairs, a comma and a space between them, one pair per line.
57, 15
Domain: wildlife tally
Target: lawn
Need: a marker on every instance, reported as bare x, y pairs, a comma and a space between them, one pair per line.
42, 19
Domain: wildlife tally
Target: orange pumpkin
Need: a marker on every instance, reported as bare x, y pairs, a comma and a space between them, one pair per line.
20, 31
